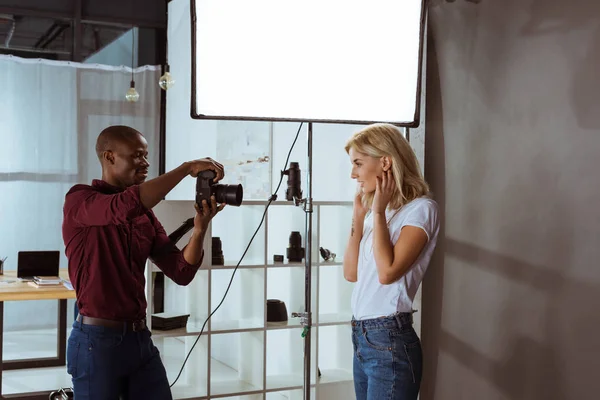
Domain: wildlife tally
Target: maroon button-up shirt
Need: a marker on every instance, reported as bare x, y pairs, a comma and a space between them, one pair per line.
109, 235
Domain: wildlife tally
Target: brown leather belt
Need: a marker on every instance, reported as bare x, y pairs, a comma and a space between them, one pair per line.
130, 326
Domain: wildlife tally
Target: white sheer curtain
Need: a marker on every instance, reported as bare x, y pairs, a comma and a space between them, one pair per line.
50, 115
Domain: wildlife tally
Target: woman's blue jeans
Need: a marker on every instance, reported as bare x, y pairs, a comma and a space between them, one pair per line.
388, 360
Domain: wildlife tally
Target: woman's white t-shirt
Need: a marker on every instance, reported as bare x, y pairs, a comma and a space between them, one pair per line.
371, 299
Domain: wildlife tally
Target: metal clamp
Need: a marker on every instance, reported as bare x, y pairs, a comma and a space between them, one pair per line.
305, 318
305, 203
299, 202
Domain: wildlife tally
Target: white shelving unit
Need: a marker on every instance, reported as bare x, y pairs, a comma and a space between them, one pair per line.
240, 355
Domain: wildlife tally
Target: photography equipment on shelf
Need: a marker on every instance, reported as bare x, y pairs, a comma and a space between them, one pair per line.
276, 311
206, 187
294, 189
278, 258
295, 251
217, 252
169, 321
326, 254
62, 394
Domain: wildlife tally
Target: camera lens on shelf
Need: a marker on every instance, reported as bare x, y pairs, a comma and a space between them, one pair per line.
295, 251
217, 252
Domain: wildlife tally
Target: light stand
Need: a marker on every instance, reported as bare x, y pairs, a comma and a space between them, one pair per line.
306, 316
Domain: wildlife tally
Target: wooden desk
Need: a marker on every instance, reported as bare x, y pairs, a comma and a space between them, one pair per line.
11, 289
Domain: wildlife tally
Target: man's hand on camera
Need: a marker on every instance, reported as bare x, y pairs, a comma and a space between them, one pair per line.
206, 214
204, 164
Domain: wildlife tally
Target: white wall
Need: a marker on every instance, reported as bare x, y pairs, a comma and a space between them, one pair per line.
512, 151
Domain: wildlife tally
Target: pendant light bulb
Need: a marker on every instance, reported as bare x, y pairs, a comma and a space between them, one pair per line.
166, 81
132, 95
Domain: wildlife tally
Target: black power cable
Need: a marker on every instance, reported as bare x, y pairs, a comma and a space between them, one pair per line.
271, 199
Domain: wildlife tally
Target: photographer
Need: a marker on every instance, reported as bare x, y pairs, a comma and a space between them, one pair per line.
110, 231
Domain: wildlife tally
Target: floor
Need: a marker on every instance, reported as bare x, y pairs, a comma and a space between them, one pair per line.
40, 343
32, 344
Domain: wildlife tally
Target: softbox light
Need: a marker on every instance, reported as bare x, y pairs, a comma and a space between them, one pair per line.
313, 60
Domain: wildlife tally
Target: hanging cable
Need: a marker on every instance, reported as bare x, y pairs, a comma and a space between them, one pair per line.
132, 95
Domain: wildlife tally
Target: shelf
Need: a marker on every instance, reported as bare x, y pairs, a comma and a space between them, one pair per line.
220, 388
281, 223
285, 355
290, 394
334, 230
286, 264
258, 265
241, 325
258, 396
335, 319
314, 263
287, 285
335, 357
218, 327
335, 296
174, 351
235, 226
189, 330
230, 264
285, 359
335, 376
340, 387
289, 324
184, 392
245, 264
244, 301
339, 262
285, 382
236, 364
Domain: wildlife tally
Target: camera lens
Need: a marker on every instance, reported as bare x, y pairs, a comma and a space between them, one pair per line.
217, 251
229, 194
295, 251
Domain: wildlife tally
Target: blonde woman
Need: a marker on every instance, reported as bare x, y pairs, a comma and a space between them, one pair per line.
394, 232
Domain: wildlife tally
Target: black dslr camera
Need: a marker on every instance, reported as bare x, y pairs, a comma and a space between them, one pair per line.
206, 187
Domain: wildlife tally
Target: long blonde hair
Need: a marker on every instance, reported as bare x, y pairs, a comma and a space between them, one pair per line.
386, 140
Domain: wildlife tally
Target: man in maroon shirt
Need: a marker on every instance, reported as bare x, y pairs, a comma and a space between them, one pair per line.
110, 231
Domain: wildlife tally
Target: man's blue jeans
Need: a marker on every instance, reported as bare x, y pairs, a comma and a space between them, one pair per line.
388, 360
110, 364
